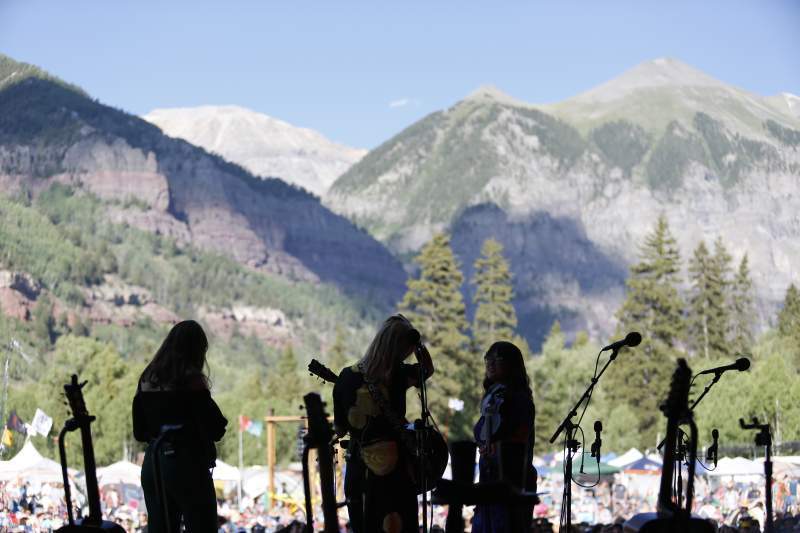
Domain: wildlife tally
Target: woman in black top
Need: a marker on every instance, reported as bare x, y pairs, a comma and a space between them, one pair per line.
173, 395
380, 493
507, 416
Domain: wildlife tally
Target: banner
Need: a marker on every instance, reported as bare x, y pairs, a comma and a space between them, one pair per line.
8, 438
41, 424
15, 423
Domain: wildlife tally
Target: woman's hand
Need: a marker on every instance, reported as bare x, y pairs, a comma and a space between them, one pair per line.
487, 449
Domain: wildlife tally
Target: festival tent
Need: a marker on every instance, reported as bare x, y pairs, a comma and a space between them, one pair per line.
119, 473
32, 466
645, 465
737, 467
225, 472
590, 467
626, 458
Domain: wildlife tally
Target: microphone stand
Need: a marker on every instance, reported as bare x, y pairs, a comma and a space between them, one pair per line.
571, 445
717, 375
764, 438
421, 429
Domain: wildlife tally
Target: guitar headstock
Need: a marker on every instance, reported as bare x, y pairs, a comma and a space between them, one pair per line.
74, 392
322, 371
319, 432
678, 398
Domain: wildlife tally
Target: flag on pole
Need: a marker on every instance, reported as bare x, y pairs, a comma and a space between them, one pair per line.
255, 428
244, 423
41, 424
8, 437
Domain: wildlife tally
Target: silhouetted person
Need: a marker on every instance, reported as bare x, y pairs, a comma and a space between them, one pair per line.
507, 416
173, 393
381, 496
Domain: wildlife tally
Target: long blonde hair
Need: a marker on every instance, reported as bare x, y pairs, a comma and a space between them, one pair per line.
393, 342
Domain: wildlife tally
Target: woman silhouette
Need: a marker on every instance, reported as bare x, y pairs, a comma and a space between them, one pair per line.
174, 413
507, 416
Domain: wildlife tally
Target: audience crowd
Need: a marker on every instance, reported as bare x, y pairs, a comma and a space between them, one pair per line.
27, 507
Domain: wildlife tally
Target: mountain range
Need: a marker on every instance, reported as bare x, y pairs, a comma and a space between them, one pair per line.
52, 132
572, 188
263, 145
569, 188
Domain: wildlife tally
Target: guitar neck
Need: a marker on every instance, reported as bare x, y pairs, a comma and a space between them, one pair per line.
89, 465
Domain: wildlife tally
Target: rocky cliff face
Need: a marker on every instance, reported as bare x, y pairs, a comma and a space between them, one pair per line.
51, 133
263, 145
663, 138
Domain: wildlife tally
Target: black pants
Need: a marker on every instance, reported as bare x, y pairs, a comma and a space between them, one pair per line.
370, 498
188, 489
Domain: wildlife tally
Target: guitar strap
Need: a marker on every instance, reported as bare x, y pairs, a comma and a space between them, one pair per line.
398, 423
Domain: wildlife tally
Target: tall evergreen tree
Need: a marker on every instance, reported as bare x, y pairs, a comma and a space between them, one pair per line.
720, 333
495, 316
701, 298
652, 307
434, 304
742, 309
337, 355
789, 316
708, 321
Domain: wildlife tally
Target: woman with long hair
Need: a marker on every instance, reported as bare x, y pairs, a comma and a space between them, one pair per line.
174, 413
368, 400
507, 417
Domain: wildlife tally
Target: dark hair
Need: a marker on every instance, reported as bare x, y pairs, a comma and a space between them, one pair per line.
181, 359
515, 364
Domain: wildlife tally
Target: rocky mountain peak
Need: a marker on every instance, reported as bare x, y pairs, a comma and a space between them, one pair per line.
490, 93
657, 73
264, 145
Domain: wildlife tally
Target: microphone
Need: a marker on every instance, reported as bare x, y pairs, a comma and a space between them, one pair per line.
711, 452
741, 364
598, 442
631, 339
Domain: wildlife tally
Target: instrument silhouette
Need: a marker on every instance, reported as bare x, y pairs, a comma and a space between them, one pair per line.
81, 419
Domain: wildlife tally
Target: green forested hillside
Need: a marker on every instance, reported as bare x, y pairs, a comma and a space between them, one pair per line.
63, 241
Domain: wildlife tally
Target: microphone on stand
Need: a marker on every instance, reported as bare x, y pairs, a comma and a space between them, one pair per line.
712, 451
631, 339
598, 442
741, 364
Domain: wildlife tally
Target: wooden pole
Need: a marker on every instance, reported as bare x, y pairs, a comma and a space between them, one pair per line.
271, 458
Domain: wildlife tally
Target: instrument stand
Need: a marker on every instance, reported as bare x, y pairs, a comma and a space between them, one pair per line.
571, 445
421, 430
764, 438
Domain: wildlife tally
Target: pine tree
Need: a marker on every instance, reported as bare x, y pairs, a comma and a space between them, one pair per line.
708, 319
700, 297
742, 309
337, 355
652, 307
789, 316
434, 304
495, 316
719, 340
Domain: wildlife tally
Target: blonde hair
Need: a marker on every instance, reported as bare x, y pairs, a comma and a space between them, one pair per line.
393, 342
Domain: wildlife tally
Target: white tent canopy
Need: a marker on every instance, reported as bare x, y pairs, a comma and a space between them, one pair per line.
738, 466
120, 472
626, 458
32, 466
225, 472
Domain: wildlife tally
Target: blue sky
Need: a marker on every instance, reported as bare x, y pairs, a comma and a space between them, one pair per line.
359, 72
